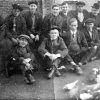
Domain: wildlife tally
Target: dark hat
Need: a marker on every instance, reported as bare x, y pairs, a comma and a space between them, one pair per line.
96, 6
90, 20
17, 6
64, 3
80, 3
55, 27
32, 2
23, 36
55, 5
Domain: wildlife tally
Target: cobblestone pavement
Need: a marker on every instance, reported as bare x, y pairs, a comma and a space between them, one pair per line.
15, 88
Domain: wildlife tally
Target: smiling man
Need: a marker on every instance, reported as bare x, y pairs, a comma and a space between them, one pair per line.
33, 22
52, 19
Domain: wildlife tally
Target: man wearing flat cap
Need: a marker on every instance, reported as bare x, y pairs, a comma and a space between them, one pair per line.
15, 23
33, 23
91, 35
80, 14
95, 13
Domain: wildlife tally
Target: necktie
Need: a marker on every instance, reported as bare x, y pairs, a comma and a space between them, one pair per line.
14, 24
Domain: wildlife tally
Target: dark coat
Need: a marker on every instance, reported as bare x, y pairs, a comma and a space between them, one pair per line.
49, 21
20, 27
81, 41
22, 53
38, 22
65, 26
95, 38
97, 19
54, 47
74, 14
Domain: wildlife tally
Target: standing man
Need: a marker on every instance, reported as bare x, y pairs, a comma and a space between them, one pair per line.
33, 23
80, 14
63, 13
15, 23
95, 14
52, 19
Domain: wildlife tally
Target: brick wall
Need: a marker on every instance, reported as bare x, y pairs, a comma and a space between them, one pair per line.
5, 6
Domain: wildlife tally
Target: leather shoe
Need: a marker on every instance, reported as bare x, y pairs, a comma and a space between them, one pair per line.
51, 73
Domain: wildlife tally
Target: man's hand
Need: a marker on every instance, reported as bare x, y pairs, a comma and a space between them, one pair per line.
32, 36
95, 47
54, 56
37, 38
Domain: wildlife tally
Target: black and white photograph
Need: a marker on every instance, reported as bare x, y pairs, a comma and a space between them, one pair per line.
49, 49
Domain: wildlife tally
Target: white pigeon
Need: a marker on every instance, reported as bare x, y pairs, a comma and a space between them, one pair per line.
70, 85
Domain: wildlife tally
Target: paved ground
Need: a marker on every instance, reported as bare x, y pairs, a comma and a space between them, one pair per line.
15, 88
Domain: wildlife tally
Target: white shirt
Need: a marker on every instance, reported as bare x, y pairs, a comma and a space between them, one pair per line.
80, 16
73, 33
90, 33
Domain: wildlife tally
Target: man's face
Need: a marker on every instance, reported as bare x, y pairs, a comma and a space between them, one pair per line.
80, 8
16, 12
89, 26
56, 10
33, 7
23, 42
65, 8
54, 34
73, 26
95, 11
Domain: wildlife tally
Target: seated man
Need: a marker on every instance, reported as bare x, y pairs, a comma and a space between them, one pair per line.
77, 45
53, 49
26, 58
91, 35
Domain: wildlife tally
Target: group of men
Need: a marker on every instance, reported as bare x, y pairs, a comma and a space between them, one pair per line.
63, 35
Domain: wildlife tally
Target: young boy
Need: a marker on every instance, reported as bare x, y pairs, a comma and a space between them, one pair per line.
26, 58
53, 49
77, 45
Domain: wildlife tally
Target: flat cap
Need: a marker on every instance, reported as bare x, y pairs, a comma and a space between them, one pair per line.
96, 6
23, 36
32, 2
80, 3
90, 20
17, 6
55, 27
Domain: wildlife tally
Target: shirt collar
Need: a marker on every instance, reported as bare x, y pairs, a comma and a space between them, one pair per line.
73, 32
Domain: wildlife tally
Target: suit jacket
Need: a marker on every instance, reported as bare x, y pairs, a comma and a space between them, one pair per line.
95, 38
81, 41
54, 47
20, 27
74, 14
49, 21
38, 22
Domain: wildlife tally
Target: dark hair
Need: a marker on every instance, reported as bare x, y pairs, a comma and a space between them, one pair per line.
56, 5
64, 3
72, 20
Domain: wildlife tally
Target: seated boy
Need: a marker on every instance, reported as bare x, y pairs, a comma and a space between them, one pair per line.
77, 45
26, 58
91, 35
53, 49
